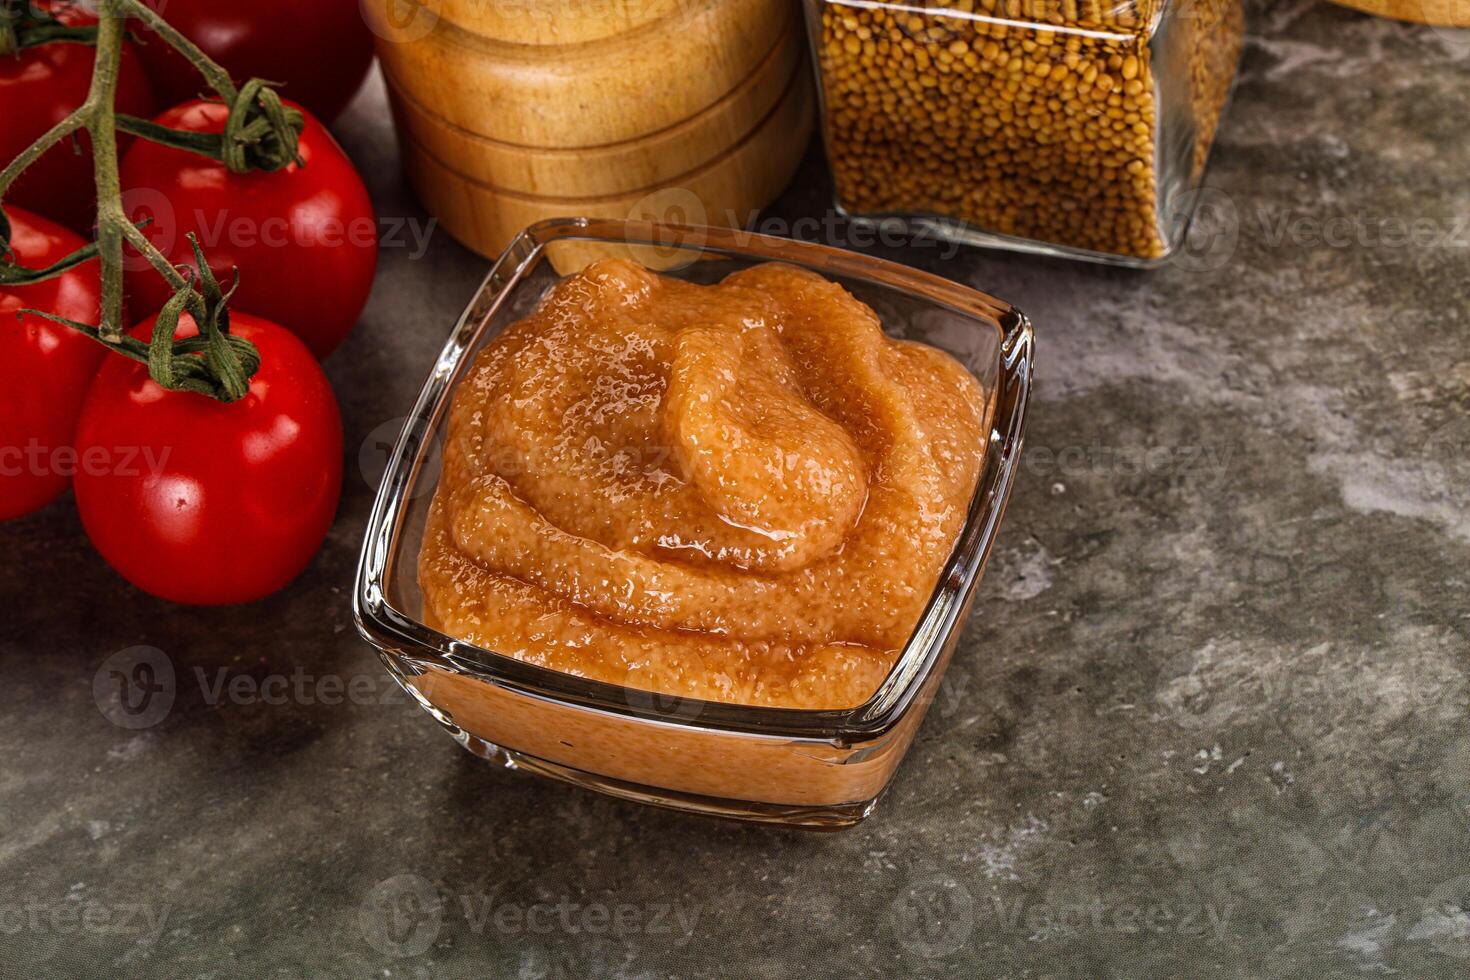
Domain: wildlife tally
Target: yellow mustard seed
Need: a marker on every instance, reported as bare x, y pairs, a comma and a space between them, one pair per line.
1047, 134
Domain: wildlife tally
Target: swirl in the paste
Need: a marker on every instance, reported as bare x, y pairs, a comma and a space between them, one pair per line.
743, 492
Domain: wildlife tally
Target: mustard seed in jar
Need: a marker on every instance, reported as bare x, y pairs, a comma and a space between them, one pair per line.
1071, 125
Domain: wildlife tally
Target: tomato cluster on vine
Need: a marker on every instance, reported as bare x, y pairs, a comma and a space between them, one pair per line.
192, 498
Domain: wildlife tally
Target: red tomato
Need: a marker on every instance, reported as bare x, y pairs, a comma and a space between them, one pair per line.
201, 502
304, 238
38, 88
320, 50
45, 368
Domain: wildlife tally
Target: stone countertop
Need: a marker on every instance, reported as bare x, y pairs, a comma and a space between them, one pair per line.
1209, 718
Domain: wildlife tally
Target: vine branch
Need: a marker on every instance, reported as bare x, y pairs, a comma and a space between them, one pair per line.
102, 124
214, 76
261, 133
77, 120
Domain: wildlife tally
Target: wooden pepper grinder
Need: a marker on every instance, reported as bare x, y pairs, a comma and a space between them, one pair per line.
512, 111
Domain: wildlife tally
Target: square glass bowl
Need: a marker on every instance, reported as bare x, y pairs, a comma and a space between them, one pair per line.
820, 769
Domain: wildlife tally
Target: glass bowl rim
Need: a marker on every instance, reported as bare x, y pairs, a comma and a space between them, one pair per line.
416, 646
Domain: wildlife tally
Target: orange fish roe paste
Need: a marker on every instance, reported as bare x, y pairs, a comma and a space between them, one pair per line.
742, 492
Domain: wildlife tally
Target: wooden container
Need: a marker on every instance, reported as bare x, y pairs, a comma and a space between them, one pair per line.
556, 22
1442, 13
724, 191
611, 168
511, 111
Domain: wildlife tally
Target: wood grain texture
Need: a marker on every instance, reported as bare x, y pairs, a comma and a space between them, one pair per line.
726, 191
555, 21
1444, 13
611, 90
616, 167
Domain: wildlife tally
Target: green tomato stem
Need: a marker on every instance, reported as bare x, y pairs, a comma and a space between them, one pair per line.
23, 25
100, 106
71, 124
215, 76
214, 363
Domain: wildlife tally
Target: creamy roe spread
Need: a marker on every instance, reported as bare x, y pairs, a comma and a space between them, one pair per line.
742, 492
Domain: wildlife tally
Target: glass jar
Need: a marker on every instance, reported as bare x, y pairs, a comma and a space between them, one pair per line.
1069, 127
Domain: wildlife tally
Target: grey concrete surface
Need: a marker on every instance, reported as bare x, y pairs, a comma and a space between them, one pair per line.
1209, 718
